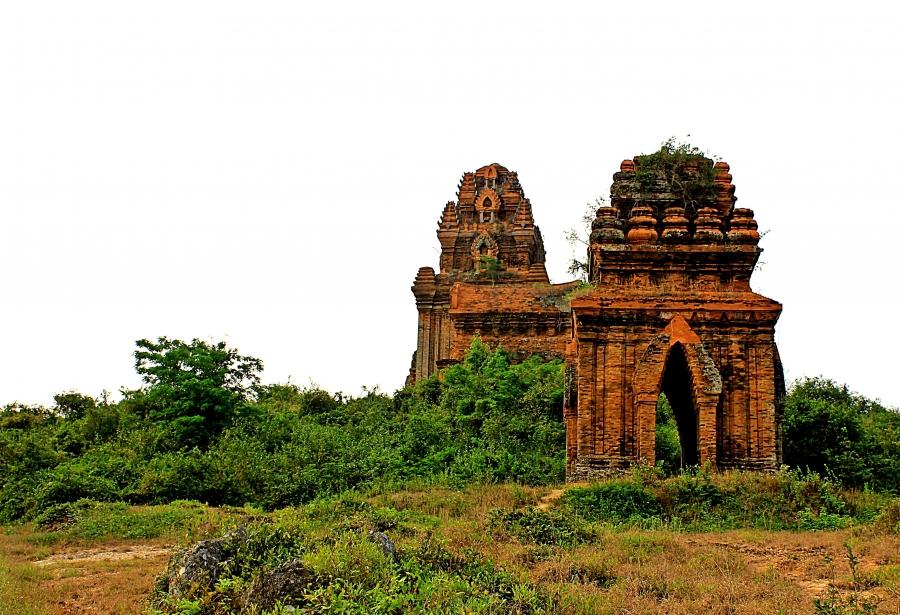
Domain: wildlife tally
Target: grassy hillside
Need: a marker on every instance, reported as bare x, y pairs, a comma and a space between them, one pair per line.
639, 544
463, 473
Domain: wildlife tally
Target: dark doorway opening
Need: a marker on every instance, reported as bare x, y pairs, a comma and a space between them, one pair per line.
676, 386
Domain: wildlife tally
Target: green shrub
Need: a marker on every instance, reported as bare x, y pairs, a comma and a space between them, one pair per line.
835, 432
183, 475
344, 571
551, 527
668, 444
71, 482
616, 502
62, 516
88, 520
889, 519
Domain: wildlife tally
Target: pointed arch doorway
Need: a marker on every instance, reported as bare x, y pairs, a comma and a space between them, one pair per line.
676, 386
677, 364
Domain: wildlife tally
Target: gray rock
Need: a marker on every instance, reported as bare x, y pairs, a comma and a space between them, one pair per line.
386, 544
198, 566
285, 584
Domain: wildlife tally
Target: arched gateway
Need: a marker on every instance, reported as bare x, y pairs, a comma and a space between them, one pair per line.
673, 312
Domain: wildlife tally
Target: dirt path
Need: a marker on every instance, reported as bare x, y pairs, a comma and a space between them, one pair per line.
111, 579
550, 499
107, 555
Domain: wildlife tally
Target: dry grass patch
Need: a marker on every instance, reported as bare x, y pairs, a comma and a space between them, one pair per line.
113, 578
471, 503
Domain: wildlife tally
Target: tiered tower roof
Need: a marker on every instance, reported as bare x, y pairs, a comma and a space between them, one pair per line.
672, 222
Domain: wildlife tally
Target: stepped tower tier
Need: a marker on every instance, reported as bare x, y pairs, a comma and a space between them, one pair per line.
491, 220
491, 280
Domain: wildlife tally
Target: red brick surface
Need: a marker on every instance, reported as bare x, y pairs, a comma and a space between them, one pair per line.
514, 306
671, 311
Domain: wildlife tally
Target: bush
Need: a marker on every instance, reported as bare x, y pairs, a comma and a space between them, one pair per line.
183, 475
71, 482
62, 516
551, 527
319, 568
668, 443
835, 432
616, 502
90, 520
889, 519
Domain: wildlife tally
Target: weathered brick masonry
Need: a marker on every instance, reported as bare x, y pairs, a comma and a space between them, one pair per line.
671, 311
492, 279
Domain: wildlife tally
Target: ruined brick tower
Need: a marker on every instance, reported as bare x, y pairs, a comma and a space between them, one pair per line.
673, 312
492, 280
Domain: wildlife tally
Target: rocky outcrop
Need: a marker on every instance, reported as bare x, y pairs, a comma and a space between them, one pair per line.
199, 566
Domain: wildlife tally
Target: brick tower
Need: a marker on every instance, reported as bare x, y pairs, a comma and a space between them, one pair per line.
672, 312
492, 280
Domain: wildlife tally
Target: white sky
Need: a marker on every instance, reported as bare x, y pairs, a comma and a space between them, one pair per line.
271, 173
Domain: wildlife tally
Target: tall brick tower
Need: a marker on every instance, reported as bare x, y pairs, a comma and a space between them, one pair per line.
492, 280
672, 312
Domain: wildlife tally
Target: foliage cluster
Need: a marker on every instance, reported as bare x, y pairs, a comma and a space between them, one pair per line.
681, 168
838, 433
87, 520
702, 501
203, 428
668, 443
543, 527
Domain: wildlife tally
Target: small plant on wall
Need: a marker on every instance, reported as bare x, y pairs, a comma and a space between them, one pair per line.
490, 267
487, 268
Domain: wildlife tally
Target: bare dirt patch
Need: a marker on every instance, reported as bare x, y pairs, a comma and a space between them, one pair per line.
107, 554
107, 579
550, 499
801, 565
816, 562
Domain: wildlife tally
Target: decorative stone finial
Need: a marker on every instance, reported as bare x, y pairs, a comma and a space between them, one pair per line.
627, 166
675, 226
607, 227
725, 198
708, 226
425, 276
743, 228
448, 218
524, 217
642, 225
466, 193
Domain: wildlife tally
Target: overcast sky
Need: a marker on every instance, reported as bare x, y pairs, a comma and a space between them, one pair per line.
272, 173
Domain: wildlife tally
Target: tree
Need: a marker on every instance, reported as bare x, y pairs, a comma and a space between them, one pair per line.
73, 405
668, 444
830, 429
195, 389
